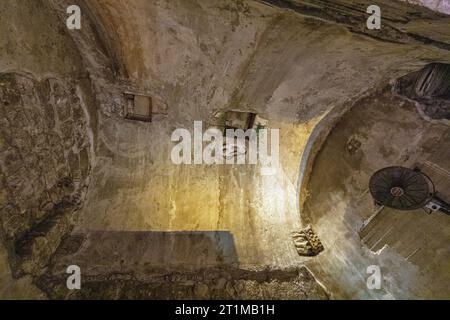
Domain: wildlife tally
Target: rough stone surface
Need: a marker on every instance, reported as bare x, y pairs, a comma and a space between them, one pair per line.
45, 165
307, 242
45, 140
170, 265
226, 284
292, 62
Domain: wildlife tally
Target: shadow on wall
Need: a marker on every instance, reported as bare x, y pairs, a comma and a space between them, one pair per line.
167, 265
102, 252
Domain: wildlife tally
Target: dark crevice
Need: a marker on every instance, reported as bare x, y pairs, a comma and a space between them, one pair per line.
430, 88
23, 245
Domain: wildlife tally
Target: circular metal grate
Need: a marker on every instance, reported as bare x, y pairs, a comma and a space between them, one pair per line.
400, 188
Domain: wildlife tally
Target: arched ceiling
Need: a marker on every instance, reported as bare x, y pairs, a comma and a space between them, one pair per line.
299, 64
266, 47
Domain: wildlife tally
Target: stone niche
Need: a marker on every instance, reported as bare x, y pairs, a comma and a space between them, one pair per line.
141, 107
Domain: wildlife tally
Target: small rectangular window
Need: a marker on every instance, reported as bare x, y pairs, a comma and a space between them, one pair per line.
138, 107
235, 120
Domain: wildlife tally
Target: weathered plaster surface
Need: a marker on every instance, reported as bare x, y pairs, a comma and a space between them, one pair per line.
339, 204
293, 66
237, 55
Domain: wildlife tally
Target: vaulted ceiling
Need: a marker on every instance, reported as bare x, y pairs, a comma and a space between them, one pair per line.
106, 186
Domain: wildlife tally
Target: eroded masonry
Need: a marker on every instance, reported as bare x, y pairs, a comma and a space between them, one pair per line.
87, 116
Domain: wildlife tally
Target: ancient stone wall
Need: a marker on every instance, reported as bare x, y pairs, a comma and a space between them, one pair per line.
46, 140
45, 165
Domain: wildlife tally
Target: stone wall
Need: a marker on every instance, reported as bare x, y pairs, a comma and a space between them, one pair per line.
45, 165
46, 140
199, 57
203, 57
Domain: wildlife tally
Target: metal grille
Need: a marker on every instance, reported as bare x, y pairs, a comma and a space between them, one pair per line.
400, 188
